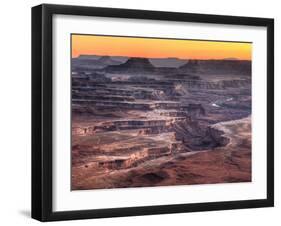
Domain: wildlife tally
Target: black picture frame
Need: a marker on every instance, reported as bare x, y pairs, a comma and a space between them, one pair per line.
42, 111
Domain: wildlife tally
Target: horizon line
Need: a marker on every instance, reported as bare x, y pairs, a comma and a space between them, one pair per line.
226, 58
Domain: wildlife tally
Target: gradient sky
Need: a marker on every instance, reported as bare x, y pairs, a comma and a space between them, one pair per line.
158, 48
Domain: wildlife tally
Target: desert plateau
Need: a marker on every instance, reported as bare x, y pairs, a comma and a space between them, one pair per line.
139, 122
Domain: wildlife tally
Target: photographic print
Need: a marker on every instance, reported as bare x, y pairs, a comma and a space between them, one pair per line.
130, 106
155, 111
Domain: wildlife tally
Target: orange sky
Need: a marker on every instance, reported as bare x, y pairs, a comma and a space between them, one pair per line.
158, 48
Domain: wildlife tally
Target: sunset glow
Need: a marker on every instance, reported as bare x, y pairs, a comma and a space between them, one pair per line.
158, 48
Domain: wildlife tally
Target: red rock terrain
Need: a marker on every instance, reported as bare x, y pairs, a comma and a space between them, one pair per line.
231, 163
135, 125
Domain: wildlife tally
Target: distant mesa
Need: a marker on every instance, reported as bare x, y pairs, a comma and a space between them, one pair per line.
139, 63
88, 57
95, 59
190, 66
167, 62
217, 67
172, 62
107, 60
133, 64
121, 59
90, 62
117, 64
231, 58
85, 64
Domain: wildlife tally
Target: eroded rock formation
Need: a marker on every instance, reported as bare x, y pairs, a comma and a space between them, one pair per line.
132, 114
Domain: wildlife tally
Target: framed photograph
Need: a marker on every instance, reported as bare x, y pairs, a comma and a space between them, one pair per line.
145, 112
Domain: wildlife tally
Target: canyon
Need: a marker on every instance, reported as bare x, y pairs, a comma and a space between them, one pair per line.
140, 122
